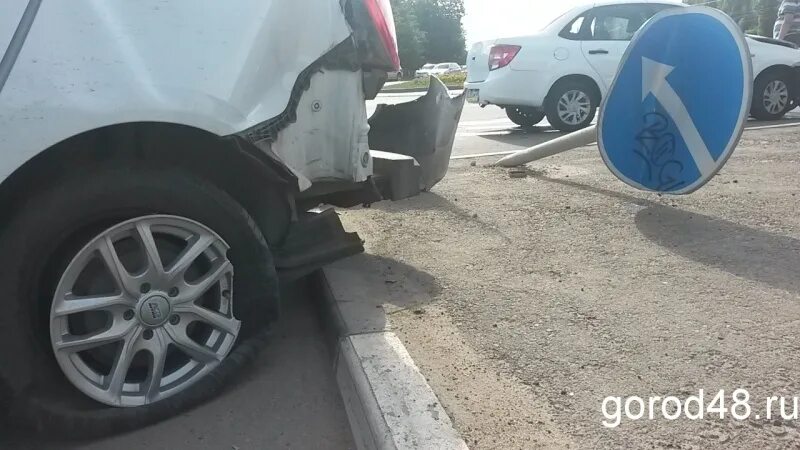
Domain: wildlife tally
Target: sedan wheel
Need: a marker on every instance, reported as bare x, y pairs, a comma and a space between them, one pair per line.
574, 107
144, 310
776, 96
570, 105
119, 295
772, 95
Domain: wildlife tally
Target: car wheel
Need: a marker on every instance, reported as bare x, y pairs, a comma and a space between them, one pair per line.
772, 96
148, 291
570, 106
524, 117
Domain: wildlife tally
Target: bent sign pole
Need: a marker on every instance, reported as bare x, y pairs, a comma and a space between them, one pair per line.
677, 107
559, 145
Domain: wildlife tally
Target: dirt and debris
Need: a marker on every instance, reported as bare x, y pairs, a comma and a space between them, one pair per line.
568, 281
518, 172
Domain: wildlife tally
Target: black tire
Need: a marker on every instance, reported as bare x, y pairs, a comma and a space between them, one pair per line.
37, 243
759, 108
524, 117
558, 91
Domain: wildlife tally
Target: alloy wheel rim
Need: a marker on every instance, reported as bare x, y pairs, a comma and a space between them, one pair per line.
776, 96
144, 310
574, 107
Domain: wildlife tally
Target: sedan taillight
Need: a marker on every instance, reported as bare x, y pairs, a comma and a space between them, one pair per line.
502, 55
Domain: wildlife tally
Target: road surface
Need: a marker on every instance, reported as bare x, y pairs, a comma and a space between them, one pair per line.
286, 399
486, 130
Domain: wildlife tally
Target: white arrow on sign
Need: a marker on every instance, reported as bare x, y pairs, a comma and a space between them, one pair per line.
654, 81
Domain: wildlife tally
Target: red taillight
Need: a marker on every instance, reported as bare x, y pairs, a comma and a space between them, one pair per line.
381, 13
502, 55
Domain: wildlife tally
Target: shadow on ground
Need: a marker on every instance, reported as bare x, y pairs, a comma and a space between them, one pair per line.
521, 137
524, 137
431, 201
425, 201
738, 249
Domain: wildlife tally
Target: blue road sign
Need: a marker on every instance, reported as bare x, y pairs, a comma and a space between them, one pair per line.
679, 103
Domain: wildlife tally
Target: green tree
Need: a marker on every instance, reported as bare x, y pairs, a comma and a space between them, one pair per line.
768, 12
753, 16
429, 31
410, 38
441, 22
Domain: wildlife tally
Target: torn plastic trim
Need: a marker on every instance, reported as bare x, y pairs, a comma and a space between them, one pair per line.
424, 129
316, 239
341, 57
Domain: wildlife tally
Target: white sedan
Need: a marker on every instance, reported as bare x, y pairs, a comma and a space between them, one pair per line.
425, 70
445, 68
563, 71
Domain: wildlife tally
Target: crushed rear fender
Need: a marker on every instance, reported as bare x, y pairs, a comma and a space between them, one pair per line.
423, 129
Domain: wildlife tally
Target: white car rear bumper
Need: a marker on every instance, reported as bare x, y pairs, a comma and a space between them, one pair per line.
506, 87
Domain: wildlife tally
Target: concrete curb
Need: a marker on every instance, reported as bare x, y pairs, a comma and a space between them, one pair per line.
405, 90
388, 401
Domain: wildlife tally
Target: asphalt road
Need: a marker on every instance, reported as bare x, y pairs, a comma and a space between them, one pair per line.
487, 130
287, 399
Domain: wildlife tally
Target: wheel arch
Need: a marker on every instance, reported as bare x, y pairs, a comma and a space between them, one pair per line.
257, 181
775, 68
792, 72
581, 78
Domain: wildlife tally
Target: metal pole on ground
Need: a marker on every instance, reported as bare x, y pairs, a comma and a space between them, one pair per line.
568, 142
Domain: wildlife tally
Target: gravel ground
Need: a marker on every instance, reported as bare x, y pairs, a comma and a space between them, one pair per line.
553, 291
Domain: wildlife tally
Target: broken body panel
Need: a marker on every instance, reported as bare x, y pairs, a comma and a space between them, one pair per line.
287, 79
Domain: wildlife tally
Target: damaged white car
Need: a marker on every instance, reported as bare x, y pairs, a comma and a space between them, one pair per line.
158, 162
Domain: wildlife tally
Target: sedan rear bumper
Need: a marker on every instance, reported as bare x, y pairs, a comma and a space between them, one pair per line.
506, 87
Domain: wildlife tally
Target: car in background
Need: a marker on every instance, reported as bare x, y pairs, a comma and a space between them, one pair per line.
445, 68
563, 71
395, 75
424, 71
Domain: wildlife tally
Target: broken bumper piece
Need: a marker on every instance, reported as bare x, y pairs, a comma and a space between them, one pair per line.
412, 142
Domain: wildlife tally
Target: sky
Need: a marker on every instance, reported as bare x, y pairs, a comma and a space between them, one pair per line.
490, 19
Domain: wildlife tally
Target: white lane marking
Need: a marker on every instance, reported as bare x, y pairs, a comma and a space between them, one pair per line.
472, 128
510, 152
487, 127
780, 125
484, 133
503, 121
389, 93
503, 153
481, 155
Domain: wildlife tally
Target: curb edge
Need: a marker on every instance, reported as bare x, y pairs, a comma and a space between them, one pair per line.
389, 403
